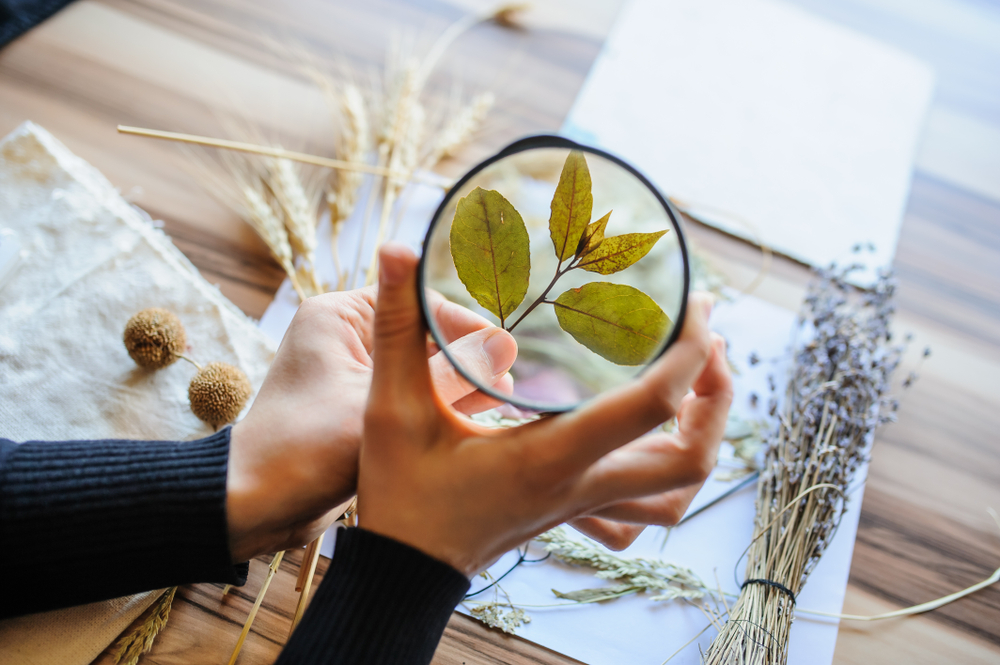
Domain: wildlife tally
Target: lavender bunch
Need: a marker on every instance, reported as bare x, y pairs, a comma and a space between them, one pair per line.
836, 396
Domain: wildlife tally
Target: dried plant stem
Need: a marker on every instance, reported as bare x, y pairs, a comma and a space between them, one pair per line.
184, 357
922, 607
304, 585
271, 570
240, 146
383, 156
354, 145
140, 641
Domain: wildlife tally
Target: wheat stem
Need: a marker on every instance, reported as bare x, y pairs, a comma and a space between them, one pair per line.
271, 570
309, 561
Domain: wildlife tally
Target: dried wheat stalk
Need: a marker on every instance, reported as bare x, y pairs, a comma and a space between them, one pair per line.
299, 208
836, 397
355, 142
140, 641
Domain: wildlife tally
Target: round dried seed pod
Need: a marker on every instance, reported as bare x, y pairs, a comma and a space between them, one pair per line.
218, 393
154, 338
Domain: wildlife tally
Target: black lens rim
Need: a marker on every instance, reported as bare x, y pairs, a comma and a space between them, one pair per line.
532, 143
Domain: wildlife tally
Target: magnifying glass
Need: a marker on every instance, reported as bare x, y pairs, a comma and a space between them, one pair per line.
572, 251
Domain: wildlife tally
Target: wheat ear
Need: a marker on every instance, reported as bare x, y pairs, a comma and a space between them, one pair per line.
140, 641
268, 226
300, 219
354, 145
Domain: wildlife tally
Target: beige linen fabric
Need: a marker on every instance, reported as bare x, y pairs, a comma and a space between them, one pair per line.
92, 262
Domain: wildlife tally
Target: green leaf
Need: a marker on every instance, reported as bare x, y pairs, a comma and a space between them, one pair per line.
592, 236
599, 594
490, 247
619, 252
617, 322
571, 206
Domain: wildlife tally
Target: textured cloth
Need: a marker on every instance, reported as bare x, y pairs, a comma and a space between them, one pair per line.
91, 520
380, 603
18, 16
92, 261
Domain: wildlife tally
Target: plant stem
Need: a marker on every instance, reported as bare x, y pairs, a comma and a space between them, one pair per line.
541, 299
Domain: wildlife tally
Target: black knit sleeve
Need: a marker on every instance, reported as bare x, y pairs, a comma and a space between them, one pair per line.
381, 603
82, 521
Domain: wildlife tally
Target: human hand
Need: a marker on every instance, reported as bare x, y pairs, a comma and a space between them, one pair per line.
617, 526
294, 457
465, 494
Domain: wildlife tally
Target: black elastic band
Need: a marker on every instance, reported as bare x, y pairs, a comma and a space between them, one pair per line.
777, 585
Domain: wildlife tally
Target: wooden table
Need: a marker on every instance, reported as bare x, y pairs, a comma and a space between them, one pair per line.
167, 63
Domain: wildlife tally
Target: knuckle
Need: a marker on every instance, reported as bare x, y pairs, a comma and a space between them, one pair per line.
672, 514
697, 465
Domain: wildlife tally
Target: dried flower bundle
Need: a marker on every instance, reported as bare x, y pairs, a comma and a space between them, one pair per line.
836, 396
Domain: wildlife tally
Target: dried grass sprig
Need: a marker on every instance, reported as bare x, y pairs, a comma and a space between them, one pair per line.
355, 142
666, 580
459, 129
140, 641
836, 396
265, 221
299, 207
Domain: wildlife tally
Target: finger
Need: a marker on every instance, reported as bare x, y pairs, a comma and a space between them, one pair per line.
478, 401
654, 464
484, 357
401, 374
613, 535
664, 509
636, 408
452, 320
701, 422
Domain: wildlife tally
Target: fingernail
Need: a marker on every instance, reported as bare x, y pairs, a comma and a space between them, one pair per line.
501, 350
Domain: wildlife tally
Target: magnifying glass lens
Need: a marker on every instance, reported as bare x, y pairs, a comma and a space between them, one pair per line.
571, 251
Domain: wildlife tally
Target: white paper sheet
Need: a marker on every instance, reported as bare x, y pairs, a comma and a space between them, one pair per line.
769, 123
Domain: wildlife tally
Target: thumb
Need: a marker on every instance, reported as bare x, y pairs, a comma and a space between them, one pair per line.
400, 348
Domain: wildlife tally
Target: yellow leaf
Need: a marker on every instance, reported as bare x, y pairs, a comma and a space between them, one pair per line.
490, 247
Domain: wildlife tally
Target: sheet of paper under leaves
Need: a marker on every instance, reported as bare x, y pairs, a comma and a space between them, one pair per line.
91, 261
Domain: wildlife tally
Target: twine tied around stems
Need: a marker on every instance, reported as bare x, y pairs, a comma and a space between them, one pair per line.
771, 583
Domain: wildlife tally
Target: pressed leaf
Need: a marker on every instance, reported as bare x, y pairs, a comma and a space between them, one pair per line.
572, 204
619, 252
592, 236
598, 594
490, 247
615, 321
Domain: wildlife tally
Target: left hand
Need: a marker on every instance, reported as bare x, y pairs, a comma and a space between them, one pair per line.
700, 416
293, 459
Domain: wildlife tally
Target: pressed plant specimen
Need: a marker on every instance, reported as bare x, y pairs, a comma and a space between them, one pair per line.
492, 255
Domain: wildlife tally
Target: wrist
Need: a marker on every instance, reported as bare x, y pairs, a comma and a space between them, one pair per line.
244, 496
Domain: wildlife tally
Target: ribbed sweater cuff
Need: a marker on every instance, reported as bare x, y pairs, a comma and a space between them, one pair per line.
89, 520
381, 603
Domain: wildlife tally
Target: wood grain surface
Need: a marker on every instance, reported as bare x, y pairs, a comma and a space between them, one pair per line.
178, 64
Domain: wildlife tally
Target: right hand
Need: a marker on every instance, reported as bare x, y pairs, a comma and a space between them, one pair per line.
465, 494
